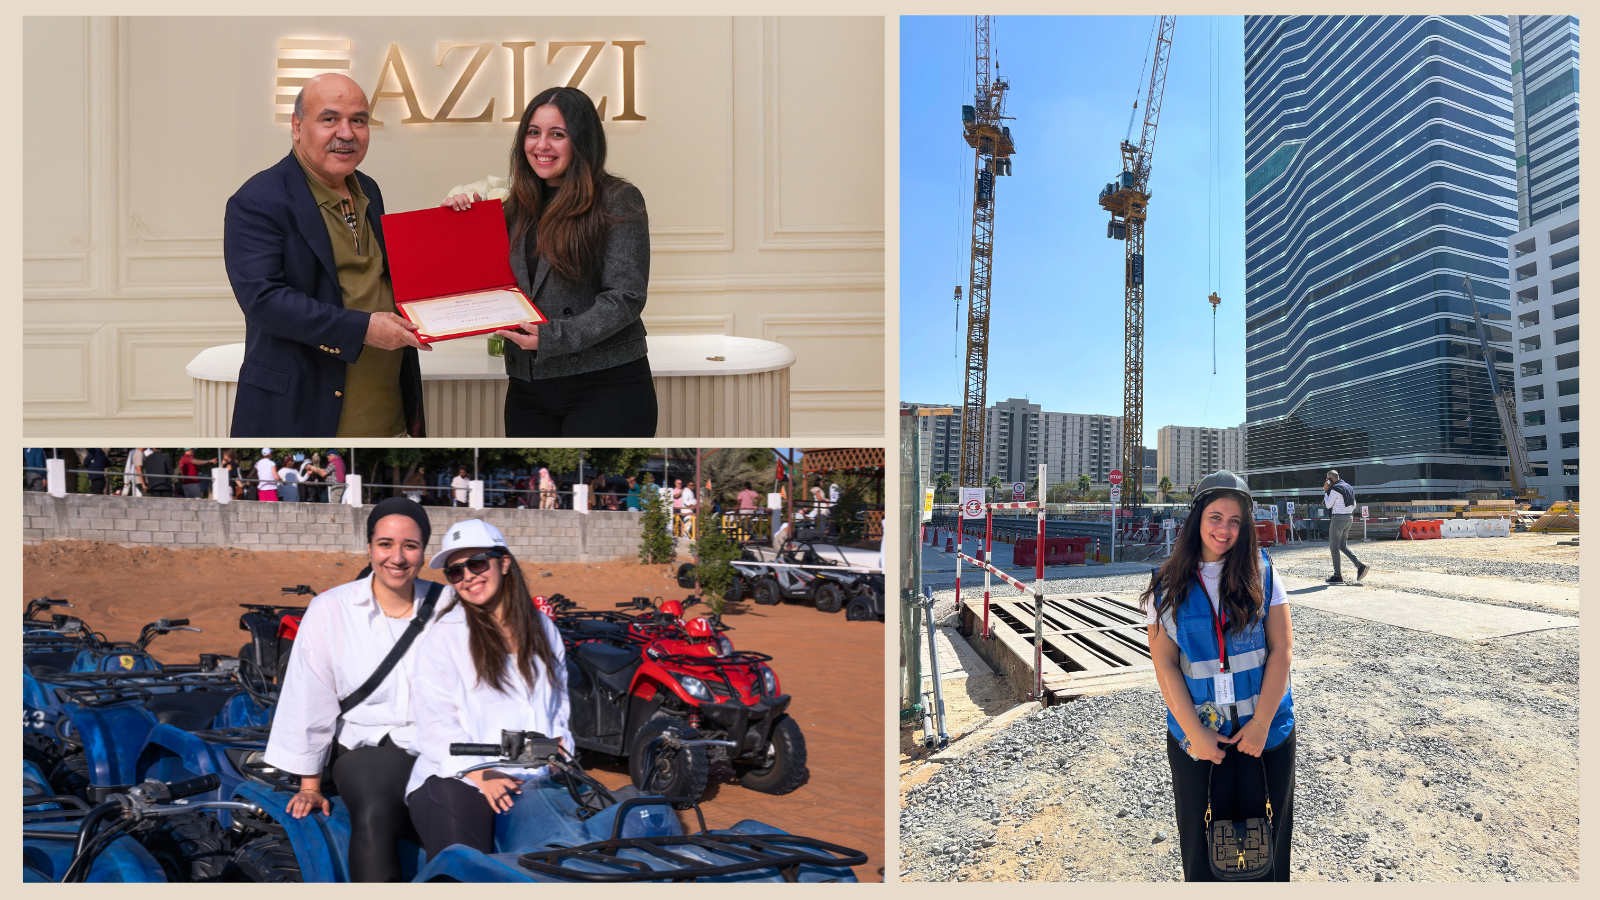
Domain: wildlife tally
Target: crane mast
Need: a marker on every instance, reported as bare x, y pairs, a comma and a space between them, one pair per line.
1505, 405
991, 142
1127, 199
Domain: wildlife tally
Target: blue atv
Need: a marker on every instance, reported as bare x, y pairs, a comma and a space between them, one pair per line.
113, 721
128, 838
564, 827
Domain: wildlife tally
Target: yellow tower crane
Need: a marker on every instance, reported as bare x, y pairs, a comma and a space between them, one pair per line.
1127, 199
991, 141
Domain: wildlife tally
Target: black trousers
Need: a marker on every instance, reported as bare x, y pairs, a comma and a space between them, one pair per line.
372, 781
1236, 793
615, 402
449, 811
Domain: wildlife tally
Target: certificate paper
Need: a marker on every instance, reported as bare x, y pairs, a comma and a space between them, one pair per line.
446, 317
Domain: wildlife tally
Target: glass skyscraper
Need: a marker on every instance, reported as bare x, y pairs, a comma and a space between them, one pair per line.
1544, 90
1379, 171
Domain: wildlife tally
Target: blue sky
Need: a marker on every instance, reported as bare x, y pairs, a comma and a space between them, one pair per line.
1057, 298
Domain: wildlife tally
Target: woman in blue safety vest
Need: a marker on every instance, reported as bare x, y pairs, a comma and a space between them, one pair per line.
1221, 642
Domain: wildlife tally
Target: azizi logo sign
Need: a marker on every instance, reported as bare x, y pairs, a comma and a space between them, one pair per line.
299, 59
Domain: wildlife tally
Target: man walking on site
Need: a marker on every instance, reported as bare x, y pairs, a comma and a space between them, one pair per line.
1341, 502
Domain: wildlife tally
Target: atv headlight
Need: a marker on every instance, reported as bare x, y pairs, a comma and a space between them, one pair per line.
769, 681
694, 686
724, 646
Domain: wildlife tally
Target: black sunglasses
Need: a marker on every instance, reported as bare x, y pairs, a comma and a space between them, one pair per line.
477, 565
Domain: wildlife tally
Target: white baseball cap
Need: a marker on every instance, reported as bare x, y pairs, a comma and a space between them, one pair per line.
468, 533
266, 451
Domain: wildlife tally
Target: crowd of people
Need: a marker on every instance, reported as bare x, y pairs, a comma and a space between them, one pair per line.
320, 476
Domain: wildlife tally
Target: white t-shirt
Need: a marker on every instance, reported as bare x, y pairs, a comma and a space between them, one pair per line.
452, 707
267, 472
1210, 574
686, 500
460, 483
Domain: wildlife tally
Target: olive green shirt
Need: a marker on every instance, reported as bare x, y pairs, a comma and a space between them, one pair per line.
372, 405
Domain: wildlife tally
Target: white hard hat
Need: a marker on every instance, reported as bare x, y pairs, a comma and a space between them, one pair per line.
468, 533
266, 451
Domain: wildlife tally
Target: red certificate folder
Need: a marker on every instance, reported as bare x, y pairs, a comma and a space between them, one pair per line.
452, 271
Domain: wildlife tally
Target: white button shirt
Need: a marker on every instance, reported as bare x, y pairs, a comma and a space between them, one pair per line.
342, 639
453, 708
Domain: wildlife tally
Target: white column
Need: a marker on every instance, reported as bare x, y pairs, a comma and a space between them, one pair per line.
55, 477
352, 490
475, 494
580, 498
221, 490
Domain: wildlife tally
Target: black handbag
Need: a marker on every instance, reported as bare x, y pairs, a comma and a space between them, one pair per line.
1240, 849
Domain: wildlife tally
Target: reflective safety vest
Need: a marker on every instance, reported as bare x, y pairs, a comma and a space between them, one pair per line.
1190, 627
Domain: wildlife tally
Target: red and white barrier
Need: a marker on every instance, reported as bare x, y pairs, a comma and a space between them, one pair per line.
989, 569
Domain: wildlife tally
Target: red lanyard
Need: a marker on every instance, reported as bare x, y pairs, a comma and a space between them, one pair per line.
1219, 624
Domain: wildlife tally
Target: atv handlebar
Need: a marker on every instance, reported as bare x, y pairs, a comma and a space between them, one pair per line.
300, 589
174, 623
155, 792
524, 749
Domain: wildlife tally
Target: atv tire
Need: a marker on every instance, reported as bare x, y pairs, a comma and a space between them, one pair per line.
830, 597
686, 576
860, 610
190, 848
767, 592
678, 773
268, 859
785, 768
736, 589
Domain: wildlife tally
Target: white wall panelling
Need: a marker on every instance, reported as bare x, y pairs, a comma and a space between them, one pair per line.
123, 280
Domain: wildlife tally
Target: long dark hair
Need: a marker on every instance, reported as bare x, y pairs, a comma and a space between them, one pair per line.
568, 224
1240, 584
527, 638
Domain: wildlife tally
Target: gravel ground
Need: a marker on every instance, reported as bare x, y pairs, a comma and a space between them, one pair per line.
1443, 760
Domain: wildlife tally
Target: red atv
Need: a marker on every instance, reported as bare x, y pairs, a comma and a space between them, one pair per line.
673, 697
272, 633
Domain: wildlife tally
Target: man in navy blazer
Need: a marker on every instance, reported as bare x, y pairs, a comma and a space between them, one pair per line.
311, 315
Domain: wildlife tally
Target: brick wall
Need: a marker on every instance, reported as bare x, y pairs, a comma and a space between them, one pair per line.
535, 535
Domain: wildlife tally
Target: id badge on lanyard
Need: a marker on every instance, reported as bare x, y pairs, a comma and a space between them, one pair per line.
1222, 682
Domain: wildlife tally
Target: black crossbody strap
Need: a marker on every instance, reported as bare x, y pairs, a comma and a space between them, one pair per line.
424, 613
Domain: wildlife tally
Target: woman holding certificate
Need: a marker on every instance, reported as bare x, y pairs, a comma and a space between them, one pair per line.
580, 250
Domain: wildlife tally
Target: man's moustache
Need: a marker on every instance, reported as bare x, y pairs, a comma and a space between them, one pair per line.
341, 145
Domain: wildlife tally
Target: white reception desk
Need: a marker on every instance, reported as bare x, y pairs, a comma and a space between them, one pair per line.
707, 385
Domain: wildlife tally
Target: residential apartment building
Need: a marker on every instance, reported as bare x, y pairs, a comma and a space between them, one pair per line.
1018, 436
1186, 454
1544, 267
1379, 172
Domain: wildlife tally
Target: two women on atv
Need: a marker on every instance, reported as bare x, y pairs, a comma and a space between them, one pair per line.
352, 704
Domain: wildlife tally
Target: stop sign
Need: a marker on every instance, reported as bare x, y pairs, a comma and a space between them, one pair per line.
1116, 476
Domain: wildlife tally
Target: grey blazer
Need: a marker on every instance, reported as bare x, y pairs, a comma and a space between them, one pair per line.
594, 324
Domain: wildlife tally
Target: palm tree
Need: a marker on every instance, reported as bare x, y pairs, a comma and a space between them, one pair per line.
994, 486
1164, 487
1083, 484
942, 483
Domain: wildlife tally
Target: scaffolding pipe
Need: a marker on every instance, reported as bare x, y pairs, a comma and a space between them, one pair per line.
933, 660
